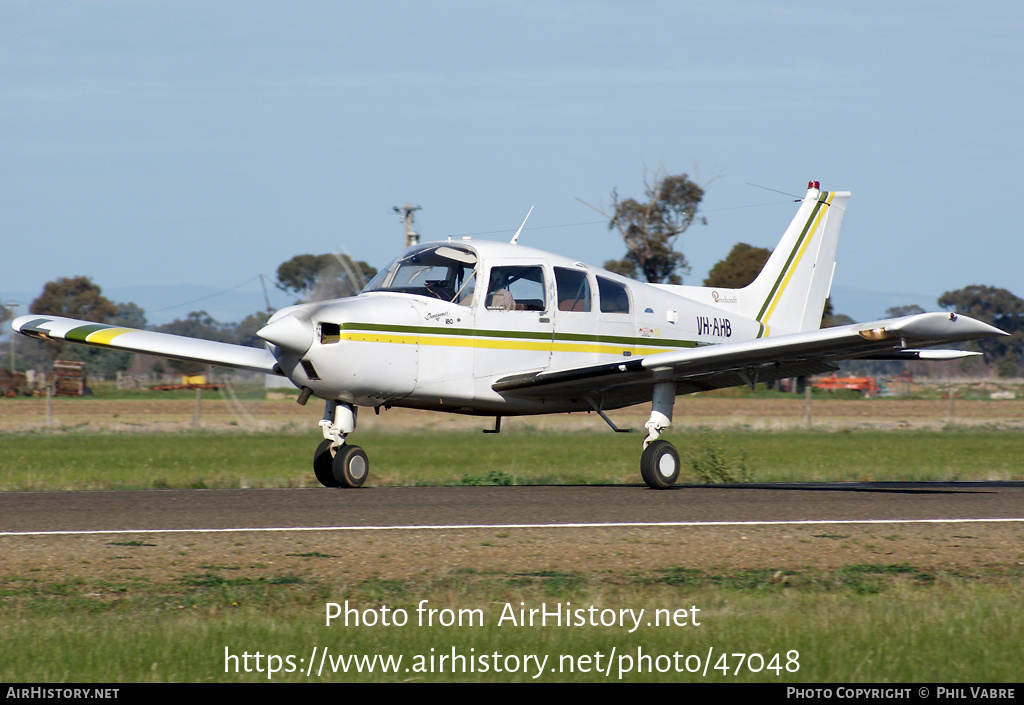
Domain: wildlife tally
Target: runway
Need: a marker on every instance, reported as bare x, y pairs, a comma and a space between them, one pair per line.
419, 507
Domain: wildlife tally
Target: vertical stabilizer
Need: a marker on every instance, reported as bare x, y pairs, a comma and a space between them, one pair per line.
789, 294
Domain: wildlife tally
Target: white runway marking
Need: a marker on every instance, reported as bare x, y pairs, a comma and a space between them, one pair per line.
456, 527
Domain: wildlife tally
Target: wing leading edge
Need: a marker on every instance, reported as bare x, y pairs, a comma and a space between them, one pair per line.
749, 362
177, 347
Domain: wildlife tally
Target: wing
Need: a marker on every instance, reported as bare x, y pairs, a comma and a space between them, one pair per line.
619, 384
177, 347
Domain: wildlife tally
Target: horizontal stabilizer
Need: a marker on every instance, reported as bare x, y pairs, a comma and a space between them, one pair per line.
922, 355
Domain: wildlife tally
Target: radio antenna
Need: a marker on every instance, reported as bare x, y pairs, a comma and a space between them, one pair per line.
516, 236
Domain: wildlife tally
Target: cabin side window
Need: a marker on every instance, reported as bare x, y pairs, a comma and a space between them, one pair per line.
614, 297
516, 289
573, 289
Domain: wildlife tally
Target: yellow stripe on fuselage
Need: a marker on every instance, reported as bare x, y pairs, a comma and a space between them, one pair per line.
796, 262
498, 344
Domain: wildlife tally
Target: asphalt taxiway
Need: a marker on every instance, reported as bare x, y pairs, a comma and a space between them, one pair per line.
387, 507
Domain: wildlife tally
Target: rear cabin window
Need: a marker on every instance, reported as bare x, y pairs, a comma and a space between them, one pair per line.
614, 298
516, 289
573, 289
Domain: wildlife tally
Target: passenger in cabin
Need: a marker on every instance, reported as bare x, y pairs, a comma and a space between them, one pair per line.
516, 288
501, 300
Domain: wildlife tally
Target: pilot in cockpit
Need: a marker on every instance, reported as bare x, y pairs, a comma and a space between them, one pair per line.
498, 296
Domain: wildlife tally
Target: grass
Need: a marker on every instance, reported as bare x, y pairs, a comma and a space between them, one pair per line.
233, 460
909, 627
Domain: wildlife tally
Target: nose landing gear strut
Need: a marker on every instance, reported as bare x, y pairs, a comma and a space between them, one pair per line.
335, 463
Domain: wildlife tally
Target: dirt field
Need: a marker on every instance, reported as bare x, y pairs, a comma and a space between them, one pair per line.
27, 415
614, 553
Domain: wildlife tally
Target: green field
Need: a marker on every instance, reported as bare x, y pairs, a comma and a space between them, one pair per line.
196, 460
863, 623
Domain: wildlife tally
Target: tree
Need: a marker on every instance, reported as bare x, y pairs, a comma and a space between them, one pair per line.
75, 297
130, 315
1000, 308
651, 228
831, 319
79, 297
740, 267
319, 277
199, 324
898, 311
245, 331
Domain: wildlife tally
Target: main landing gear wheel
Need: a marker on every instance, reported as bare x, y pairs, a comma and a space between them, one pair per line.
350, 466
322, 461
659, 465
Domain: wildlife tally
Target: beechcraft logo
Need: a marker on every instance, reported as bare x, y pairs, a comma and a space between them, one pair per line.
719, 299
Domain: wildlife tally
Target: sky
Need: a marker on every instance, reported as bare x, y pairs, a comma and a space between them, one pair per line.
174, 150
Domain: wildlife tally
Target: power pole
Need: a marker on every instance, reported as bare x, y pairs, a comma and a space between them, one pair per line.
10, 332
407, 211
266, 299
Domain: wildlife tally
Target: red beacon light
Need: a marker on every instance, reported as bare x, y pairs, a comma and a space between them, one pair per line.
814, 184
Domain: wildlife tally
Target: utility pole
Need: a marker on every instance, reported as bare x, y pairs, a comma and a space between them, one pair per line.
407, 211
10, 332
266, 299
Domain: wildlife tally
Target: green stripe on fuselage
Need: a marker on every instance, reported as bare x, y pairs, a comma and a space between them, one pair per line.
520, 335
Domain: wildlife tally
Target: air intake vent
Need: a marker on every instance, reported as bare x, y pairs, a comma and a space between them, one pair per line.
310, 371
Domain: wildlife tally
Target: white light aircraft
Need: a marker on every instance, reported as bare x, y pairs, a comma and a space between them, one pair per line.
499, 329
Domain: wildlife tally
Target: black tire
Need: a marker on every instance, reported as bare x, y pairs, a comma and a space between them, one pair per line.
350, 466
659, 465
322, 462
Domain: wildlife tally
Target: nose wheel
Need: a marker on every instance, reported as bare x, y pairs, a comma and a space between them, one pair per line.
345, 466
350, 466
336, 463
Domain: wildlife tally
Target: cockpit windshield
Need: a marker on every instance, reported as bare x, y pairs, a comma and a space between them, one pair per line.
443, 272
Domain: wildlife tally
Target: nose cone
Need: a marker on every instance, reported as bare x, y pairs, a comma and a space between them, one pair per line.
291, 333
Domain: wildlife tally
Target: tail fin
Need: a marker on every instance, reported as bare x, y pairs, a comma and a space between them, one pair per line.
789, 294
